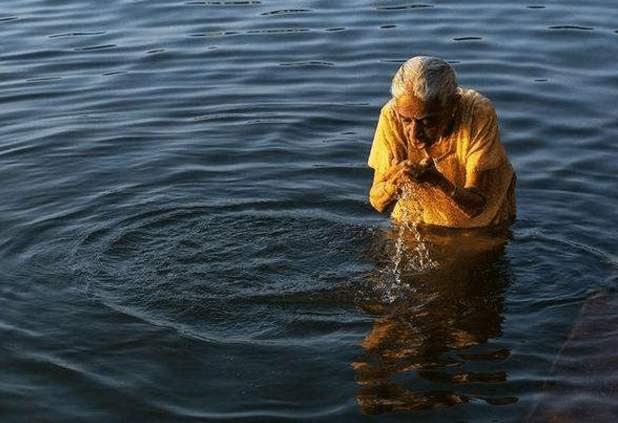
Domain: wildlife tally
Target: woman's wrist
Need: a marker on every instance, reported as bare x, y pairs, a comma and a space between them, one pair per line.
447, 187
390, 189
452, 191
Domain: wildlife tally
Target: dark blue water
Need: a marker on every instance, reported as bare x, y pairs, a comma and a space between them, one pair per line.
184, 226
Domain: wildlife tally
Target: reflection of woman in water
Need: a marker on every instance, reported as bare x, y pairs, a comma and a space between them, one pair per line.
421, 337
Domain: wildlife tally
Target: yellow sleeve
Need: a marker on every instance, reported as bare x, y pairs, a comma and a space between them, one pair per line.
387, 143
485, 151
380, 156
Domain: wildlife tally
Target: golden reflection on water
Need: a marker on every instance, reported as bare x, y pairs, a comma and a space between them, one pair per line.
419, 351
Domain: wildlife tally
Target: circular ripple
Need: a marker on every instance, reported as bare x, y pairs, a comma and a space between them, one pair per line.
201, 268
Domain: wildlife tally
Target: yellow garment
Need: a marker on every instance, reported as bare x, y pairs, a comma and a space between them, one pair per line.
472, 150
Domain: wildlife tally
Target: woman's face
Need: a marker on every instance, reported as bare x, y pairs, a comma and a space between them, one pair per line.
423, 122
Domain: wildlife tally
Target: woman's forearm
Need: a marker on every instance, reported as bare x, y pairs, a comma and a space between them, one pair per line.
467, 200
382, 194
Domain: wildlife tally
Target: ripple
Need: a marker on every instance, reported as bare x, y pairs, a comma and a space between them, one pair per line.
246, 111
464, 378
224, 3
308, 63
570, 28
44, 79
470, 38
98, 47
203, 205
114, 73
581, 249
401, 60
77, 34
278, 31
215, 34
286, 12
491, 355
405, 6
218, 34
173, 261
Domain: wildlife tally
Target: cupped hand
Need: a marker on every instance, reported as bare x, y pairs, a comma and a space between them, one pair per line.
428, 171
402, 173
406, 171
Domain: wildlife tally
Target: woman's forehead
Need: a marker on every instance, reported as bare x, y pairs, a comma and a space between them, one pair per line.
412, 107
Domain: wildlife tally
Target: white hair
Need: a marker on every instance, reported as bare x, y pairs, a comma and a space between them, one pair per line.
427, 78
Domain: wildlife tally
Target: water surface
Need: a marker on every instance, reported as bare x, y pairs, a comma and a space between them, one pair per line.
185, 232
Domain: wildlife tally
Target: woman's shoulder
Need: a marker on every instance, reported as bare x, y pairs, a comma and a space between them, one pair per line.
474, 102
388, 109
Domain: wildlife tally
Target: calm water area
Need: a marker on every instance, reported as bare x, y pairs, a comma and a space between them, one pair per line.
185, 233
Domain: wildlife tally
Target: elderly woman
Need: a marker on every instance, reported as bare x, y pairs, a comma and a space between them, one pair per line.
436, 153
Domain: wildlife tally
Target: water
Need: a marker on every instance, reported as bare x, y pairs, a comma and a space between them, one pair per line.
411, 256
185, 232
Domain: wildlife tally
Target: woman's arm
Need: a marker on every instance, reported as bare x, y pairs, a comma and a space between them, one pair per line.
387, 187
469, 200
382, 194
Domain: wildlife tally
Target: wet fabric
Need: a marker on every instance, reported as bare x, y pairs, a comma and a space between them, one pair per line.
471, 156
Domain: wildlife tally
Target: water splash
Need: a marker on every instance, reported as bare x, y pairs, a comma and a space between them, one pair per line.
411, 255
410, 243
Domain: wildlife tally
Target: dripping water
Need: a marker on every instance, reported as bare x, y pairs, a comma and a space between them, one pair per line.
411, 255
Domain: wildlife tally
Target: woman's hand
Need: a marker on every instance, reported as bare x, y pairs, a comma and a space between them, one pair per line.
426, 171
402, 173
406, 172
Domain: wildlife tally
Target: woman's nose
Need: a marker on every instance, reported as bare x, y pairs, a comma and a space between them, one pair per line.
418, 130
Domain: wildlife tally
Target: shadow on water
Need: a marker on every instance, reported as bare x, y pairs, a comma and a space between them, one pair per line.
431, 347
